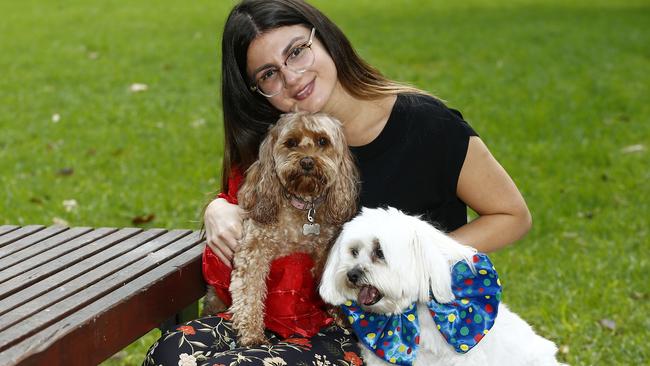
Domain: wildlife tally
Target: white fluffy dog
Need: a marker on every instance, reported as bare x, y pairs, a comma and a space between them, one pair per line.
416, 296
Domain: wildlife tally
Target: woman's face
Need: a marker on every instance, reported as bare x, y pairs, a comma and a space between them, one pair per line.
307, 91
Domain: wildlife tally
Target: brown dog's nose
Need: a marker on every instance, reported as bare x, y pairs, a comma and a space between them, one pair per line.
307, 163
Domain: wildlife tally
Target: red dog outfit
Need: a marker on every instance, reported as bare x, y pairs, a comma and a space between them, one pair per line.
292, 305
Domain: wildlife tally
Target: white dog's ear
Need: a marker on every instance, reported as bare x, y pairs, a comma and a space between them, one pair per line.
329, 284
438, 253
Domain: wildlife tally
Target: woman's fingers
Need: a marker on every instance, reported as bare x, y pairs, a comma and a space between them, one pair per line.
221, 250
231, 235
223, 227
222, 258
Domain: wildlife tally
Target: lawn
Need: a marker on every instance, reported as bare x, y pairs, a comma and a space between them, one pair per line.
559, 90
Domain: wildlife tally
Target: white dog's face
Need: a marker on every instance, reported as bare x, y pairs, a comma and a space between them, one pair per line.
386, 260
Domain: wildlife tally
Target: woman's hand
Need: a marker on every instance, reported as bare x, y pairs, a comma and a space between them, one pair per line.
223, 228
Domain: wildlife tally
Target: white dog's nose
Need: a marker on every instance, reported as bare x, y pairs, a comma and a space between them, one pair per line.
354, 275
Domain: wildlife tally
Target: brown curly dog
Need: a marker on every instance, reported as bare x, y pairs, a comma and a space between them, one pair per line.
297, 195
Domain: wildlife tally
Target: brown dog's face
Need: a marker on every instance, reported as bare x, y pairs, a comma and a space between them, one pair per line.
305, 155
307, 152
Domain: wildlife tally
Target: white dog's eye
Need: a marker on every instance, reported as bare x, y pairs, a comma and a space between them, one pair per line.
354, 252
378, 253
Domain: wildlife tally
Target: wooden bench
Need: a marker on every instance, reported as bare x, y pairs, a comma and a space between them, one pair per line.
76, 296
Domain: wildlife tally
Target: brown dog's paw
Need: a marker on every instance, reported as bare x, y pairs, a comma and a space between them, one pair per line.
339, 318
341, 323
251, 341
212, 304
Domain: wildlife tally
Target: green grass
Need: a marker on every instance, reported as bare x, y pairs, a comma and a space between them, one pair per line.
557, 89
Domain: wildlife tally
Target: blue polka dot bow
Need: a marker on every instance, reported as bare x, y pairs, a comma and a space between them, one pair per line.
462, 322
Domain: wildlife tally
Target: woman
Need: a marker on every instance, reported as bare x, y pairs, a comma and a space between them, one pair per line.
412, 151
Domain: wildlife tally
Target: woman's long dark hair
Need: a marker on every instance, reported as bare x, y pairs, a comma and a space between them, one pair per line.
246, 114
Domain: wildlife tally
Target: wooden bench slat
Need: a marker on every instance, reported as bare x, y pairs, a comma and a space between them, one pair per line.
14, 235
38, 243
112, 316
7, 228
43, 251
79, 301
59, 271
140, 246
37, 232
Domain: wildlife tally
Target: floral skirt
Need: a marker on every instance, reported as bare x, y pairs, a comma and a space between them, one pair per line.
211, 341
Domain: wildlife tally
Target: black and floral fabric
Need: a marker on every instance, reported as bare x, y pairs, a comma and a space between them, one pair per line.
211, 341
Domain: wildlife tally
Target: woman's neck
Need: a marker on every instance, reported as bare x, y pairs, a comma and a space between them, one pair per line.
363, 120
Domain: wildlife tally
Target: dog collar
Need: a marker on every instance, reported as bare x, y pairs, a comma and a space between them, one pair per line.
463, 322
302, 204
311, 227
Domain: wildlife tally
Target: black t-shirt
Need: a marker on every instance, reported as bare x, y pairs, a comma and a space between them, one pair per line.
414, 163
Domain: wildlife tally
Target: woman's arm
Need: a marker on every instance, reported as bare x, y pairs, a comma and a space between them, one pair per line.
223, 219
487, 188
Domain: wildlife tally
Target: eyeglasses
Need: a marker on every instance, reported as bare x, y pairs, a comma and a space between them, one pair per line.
269, 83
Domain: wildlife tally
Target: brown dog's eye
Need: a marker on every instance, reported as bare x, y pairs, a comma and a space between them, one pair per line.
322, 141
291, 143
354, 252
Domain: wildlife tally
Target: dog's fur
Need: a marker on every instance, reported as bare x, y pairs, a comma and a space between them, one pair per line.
417, 259
274, 227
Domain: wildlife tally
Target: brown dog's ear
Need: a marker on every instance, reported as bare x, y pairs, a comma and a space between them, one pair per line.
261, 192
341, 200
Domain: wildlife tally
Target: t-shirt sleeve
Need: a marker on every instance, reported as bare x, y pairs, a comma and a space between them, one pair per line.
464, 125
454, 140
